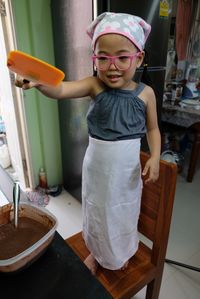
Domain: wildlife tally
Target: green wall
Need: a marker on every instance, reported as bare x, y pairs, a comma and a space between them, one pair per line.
34, 36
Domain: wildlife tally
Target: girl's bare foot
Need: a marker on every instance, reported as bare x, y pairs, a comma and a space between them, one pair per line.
124, 266
91, 263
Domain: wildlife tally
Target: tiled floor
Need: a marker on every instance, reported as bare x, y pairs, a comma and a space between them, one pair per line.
184, 240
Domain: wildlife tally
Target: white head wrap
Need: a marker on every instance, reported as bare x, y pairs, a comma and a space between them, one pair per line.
132, 27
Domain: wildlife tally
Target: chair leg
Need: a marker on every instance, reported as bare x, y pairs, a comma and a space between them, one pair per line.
194, 156
153, 288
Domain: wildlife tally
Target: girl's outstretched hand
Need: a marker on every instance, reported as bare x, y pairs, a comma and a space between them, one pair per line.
152, 169
24, 84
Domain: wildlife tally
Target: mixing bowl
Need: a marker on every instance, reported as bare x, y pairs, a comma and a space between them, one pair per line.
31, 217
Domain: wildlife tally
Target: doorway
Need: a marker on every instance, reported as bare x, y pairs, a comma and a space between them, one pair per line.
12, 109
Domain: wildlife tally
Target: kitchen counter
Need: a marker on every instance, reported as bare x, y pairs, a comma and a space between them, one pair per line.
186, 116
181, 115
58, 273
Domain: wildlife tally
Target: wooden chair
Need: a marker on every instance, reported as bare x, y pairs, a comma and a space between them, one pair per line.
146, 266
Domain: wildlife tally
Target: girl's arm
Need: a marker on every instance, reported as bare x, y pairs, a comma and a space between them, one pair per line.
153, 138
69, 89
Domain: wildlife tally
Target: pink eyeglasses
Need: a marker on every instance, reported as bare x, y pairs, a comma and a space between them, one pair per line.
121, 62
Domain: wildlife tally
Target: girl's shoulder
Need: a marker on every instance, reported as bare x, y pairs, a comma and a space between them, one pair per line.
147, 94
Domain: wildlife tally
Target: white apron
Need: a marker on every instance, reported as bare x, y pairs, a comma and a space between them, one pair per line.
111, 195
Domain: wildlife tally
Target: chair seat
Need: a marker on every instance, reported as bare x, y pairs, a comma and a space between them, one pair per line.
120, 283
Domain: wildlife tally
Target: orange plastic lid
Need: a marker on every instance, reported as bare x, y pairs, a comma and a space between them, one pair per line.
34, 69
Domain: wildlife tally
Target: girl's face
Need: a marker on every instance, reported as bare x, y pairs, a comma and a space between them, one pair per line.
114, 45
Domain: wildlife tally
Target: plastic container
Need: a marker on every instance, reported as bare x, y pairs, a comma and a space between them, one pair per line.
42, 179
32, 253
173, 157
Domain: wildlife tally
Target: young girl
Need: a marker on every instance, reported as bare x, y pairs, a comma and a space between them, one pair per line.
121, 113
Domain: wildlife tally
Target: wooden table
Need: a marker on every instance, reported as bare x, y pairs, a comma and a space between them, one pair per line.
188, 117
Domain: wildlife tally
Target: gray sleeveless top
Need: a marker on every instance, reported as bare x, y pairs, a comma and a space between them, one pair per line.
117, 114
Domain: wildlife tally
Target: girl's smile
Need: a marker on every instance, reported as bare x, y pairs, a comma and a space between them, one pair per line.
113, 78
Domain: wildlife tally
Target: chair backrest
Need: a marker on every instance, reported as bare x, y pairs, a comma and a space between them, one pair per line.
156, 207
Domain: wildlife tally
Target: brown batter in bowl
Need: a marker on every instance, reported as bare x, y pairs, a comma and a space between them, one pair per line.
15, 240
19, 246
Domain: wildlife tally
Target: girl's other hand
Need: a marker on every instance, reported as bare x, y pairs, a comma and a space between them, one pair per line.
24, 84
152, 169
